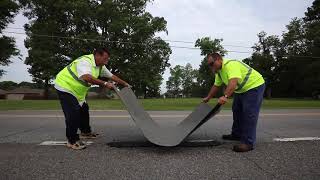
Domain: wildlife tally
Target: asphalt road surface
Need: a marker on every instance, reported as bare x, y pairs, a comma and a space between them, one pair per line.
21, 156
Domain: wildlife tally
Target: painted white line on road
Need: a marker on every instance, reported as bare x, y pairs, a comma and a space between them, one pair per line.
95, 110
60, 143
297, 139
200, 140
92, 116
154, 116
289, 114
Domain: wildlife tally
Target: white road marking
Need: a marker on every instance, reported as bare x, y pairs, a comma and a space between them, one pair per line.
60, 143
200, 140
289, 114
92, 116
60, 111
297, 139
154, 116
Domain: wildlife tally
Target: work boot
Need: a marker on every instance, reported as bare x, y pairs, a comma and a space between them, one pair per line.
230, 137
79, 145
242, 148
90, 135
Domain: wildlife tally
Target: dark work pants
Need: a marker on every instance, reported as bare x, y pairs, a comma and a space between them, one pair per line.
76, 116
246, 108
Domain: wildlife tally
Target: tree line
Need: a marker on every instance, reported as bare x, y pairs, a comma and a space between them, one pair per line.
59, 31
289, 63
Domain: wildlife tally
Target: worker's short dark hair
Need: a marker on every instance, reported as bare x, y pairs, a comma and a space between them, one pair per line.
215, 56
101, 50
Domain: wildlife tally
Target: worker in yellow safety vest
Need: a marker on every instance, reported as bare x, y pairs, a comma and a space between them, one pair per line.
247, 87
72, 84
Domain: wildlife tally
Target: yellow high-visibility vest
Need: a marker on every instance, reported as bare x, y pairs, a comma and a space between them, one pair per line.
68, 79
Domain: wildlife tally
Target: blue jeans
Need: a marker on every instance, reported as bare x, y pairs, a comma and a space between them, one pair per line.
76, 116
246, 108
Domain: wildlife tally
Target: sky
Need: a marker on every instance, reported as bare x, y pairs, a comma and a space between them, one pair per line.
236, 22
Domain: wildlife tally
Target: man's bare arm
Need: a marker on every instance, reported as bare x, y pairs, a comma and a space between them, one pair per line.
90, 79
232, 85
213, 91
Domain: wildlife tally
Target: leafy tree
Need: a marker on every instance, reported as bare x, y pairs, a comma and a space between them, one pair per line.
8, 85
292, 68
143, 61
205, 78
268, 53
9, 8
181, 81
30, 85
123, 26
302, 44
174, 83
188, 79
290, 63
46, 55
312, 26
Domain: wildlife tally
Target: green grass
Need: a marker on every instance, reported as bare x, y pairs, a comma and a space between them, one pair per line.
152, 104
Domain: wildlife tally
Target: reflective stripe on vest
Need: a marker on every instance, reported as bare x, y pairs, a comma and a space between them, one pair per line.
245, 80
76, 78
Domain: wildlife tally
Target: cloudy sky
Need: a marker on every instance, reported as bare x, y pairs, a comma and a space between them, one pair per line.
236, 22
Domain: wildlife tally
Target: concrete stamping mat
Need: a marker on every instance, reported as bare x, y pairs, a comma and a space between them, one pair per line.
165, 136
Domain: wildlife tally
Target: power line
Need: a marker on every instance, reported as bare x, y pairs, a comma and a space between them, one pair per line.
14, 28
121, 42
182, 47
174, 41
134, 43
189, 42
313, 57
